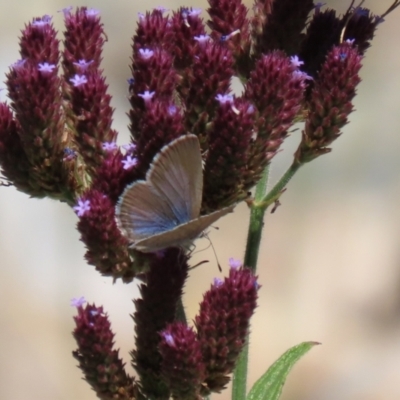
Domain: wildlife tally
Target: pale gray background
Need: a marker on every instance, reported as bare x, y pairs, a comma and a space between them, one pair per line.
329, 264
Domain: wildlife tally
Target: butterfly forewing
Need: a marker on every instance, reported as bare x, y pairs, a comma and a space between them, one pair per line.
182, 234
176, 173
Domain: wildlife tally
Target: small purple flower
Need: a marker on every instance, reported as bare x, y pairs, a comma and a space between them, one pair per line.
129, 148
350, 41
109, 146
82, 65
146, 54
172, 110
296, 62
42, 22
218, 282
141, 16
194, 12
131, 81
92, 12
78, 80
161, 9
18, 64
168, 339
129, 162
224, 98
82, 207
234, 263
146, 96
303, 76
78, 302
46, 68
66, 11
202, 39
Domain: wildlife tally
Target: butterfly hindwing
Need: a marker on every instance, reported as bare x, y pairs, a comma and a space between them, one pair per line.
181, 235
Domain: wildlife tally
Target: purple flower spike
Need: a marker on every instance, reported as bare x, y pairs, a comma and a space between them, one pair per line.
146, 54
82, 208
78, 80
78, 302
129, 162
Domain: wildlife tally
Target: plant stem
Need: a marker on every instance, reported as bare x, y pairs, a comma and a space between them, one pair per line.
239, 382
258, 209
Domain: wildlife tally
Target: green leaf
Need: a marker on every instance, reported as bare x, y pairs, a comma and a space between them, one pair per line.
269, 386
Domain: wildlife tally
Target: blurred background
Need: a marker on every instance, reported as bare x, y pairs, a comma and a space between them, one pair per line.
329, 264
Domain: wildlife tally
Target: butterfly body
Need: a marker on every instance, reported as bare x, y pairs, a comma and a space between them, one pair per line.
164, 210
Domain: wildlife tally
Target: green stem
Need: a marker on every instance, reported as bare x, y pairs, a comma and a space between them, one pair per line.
258, 209
276, 191
180, 313
239, 382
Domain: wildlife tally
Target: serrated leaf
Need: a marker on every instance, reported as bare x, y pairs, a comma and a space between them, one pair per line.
269, 386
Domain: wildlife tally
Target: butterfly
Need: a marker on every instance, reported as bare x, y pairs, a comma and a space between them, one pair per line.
164, 210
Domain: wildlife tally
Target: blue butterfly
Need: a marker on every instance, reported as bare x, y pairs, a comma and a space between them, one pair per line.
164, 210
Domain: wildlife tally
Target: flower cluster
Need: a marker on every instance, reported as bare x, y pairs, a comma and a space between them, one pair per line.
170, 358
296, 62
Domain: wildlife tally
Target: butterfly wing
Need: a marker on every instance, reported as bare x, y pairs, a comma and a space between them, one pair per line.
181, 235
141, 212
177, 175
170, 196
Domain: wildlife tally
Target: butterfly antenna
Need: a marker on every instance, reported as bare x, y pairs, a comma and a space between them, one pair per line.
215, 253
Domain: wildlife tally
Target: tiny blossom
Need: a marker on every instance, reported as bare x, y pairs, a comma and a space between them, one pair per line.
224, 98
350, 41
78, 80
172, 110
319, 5
83, 65
234, 263
168, 338
146, 53
342, 56
66, 10
92, 12
40, 23
82, 208
202, 39
218, 282
109, 146
129, 162
18, 64
78, 301
251, 109
146, 96
93, 313
131, 81
162, 9
129, 148
296, 62
141, 16
46, 67
195, 12
302, 76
